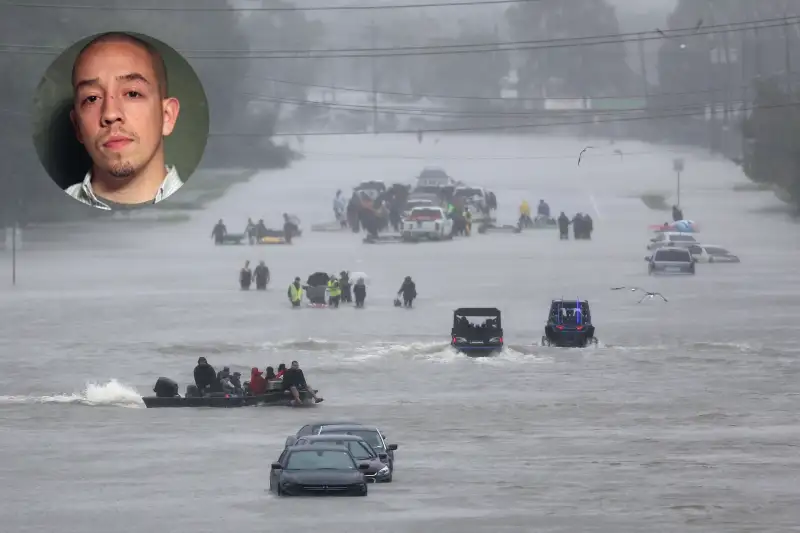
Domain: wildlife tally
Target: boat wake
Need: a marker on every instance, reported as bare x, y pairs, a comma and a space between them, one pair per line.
95, 394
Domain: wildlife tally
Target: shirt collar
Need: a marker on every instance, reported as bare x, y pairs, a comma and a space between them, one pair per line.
85, 193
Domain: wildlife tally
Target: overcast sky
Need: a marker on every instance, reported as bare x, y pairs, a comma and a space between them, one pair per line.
644, 5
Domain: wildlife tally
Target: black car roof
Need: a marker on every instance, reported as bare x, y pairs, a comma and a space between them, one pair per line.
336, 423
561, 300
315, 448
329, 436
477, 311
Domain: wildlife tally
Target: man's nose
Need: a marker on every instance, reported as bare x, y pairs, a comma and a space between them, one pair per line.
112, 111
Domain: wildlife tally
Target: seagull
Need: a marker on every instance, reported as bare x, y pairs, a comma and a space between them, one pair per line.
647, 294
580, 156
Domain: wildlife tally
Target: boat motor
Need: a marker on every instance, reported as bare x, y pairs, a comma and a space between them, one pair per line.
166, 388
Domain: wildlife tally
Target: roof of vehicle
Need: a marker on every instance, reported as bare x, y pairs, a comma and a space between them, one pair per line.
330, 437
477, 311
569, 300
352, 427
316, 448
703, 245
428, 172
671, 249
334, 423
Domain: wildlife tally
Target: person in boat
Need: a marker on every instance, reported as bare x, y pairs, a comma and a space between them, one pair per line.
334, 292
563, 226
236, 381
543, 209
224, 373
281, 370
360, 292
258, 384
294, 381
245, 276
205, 377
290, 229
270, 374
261, 274
677, 213
219, 232
346, 286
409, 291
261, 229
227, 385
295, 292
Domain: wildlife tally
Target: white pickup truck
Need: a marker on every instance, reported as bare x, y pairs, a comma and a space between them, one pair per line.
427, 223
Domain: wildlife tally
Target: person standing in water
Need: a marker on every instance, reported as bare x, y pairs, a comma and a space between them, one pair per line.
245, 276
360, 292
295, 293
261, 274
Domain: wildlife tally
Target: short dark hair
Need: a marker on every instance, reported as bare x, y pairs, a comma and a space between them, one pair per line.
159, 67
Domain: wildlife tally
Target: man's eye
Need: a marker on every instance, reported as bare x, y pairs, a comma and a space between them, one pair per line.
90, 99
133, 94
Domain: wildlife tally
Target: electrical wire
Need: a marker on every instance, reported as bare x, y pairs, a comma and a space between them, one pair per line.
465, 48
336, 156
379, 7
495, 127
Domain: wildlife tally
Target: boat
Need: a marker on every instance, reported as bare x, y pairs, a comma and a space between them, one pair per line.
491, 228
225, 400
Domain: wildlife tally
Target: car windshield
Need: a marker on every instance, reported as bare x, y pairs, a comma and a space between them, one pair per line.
358, 449
425, 214
369, 435
570, 313
713, 250
476, 323
321, 460
681, 256
682, 238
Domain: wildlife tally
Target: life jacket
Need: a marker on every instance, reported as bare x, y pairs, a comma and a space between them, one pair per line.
333, 288
296, 292
258, 385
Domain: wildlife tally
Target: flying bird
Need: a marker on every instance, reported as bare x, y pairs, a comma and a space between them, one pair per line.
580, 156
647, 294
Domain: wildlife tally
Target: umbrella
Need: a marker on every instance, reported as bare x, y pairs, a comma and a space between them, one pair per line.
354, 276
318, 278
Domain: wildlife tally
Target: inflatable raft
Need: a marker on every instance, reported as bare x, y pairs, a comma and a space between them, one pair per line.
225, 400
682, 226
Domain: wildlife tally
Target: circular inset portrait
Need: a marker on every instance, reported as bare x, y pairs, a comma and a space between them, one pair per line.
120, 121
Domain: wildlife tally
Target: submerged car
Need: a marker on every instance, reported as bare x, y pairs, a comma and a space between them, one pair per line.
477, 339
371, 434
569, 324
671, 261
711, 253
310, 470
361, 451
671, 238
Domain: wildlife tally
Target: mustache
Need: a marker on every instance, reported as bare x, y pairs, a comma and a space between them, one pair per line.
117, 133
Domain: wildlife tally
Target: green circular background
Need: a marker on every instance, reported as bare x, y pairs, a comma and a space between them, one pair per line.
66, 160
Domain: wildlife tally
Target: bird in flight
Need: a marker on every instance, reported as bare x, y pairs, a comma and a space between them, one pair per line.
647, 294
580, 156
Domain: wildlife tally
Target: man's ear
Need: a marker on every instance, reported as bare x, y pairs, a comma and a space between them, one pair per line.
73, 118
171, 109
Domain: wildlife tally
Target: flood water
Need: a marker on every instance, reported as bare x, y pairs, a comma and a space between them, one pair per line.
684, 418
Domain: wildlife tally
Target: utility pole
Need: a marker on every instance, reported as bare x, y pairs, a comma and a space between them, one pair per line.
727, 111
711, 53
643, 65
374, 81
788, 57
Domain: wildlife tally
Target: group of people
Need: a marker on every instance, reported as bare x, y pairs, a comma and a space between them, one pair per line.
582, 226
340, 289
292, 380
256, 231
260, 275
525, 220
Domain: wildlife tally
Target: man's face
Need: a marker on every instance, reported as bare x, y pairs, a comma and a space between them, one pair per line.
295, 365
118, 112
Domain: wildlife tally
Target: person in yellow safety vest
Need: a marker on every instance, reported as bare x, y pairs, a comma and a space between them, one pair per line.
334, 291
525, 215
468, 221
295, 293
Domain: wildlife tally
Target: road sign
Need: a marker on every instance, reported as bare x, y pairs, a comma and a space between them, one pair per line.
677, 164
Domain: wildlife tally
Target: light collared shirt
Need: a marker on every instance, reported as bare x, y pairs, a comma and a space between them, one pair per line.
83, 191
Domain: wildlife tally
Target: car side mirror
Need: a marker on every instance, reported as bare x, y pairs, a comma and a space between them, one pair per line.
383, 456
277, 466
363, 466
648, 258
393, 447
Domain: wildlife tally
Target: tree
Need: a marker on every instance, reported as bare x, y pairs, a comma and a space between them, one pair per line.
570, 71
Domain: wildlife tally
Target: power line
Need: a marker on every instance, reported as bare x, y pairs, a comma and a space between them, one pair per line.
484, 158
456, 113
464, 48
495, 127
272, 9
486, 98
